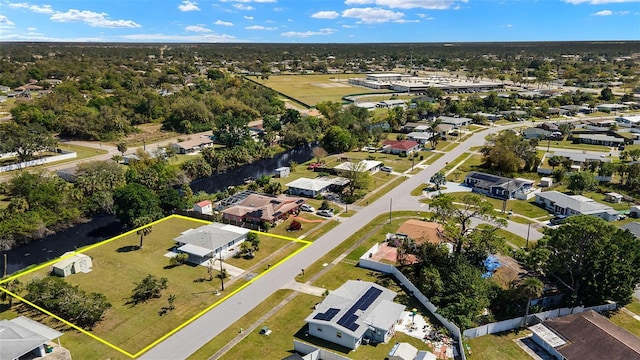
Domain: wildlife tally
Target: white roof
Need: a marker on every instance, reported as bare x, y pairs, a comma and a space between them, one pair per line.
426, 355
365, 165
629, 118
547, 335
309, 184
404, 351
578, 203
195, 250
21, 335
212, 236
66, 261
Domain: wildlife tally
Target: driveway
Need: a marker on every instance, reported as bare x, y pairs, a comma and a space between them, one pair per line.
450, 187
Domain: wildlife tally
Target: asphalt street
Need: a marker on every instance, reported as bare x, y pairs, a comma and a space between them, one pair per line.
189, 339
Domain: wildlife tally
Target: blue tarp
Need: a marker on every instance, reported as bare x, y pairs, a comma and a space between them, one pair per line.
491, 263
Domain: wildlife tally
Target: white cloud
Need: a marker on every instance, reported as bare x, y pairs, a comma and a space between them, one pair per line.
249, 1
325, 31
5, 22
92, 19
405, 21
180, 38
188, 6
223, 23
42, 9
349, 26
372, 15
248, 17
599, 2
325, 15
406, 4
260, 27
243, 7
32, 29
609, 13
198, 28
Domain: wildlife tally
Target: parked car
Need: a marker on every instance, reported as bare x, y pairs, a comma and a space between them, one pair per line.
307, 208
559, 219
325, 213
621, 147
386, 169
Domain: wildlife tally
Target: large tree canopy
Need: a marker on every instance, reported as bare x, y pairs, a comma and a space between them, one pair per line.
135, 201
592, 260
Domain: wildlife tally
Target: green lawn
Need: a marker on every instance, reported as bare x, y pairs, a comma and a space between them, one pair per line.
313, 89
271, 251
498, 347
522, 207
627, 322
133, 327
568, 144
512, 238
634, 307
470, 164
432, 158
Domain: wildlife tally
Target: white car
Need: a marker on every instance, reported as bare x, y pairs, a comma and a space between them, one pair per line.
386, 169
325, 213
307, 208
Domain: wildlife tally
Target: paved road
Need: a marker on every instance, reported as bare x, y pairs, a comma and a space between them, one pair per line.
195, 335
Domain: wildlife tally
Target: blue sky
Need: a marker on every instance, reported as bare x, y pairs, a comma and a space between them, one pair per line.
321, 21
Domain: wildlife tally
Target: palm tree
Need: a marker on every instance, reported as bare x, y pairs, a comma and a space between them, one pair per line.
532, 288
254, 240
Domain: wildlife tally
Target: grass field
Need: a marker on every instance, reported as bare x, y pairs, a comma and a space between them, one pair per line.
313, 89
498, 346
133, 327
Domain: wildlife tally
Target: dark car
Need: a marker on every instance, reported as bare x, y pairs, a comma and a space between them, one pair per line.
560, 219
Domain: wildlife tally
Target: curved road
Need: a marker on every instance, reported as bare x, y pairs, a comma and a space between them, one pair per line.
195, 335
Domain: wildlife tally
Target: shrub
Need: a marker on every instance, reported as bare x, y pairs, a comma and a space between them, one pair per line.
179, 259
149, 288
295, 226
325, 205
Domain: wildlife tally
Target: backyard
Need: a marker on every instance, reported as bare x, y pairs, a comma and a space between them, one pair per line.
120, 261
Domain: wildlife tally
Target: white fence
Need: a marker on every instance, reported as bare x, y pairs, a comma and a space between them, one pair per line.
366, 263
507, 325
64, 155
315, 353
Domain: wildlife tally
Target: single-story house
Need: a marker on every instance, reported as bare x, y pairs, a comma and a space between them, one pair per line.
613, 197
389, 104
574, 109
411, 126
211, 241
611, 107
366, 105
356, 310
499, 187
361, 166
203, 207
309, 187
400, 146
257, 209
283, 172
599, 139
444, 129
536, 133
420, 137
633, 227
490, 117
457, 122
557, 111
72, 263
421, 231
585, 336
628, 121
192, 145
24, 338
402, 351
563, 204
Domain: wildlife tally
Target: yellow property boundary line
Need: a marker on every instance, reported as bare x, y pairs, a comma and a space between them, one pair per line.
181, 326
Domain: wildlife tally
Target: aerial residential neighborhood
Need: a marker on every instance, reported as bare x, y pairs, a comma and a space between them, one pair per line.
264, 180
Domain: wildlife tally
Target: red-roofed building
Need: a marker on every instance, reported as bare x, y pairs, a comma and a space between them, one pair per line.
203, 207
257, 209
400, 146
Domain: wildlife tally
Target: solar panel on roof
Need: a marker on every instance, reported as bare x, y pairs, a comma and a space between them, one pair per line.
327, 315
349, 318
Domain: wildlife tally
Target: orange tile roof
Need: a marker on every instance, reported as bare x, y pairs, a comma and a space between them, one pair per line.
422, 231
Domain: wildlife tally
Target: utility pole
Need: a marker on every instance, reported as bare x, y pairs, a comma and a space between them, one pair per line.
528, 229
390, 204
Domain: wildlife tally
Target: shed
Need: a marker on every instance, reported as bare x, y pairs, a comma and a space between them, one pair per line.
203, 207
613, 197
426, 355
545, 182
72, 263
283, 172
403, 351
634, 212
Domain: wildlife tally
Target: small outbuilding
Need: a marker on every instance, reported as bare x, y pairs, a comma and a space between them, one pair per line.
634, 212
545, 182
613, 197
72, 263
402, 351
283, 172
203, 207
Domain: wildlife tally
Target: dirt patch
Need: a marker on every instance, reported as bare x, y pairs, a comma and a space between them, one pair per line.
149, 133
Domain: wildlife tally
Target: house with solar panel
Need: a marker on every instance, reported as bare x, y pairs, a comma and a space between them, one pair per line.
357, 312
